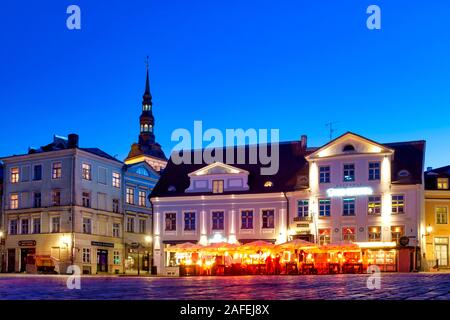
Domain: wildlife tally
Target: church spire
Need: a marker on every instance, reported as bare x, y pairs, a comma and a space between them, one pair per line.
147, 97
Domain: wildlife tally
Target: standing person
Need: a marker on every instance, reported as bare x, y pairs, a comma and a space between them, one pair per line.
269, 265
277, 264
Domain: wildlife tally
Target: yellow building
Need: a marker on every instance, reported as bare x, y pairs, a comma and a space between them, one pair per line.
437, 206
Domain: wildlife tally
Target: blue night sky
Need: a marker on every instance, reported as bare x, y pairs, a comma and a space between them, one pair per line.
294, 65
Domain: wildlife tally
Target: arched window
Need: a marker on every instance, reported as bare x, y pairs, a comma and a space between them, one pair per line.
348, 148
142, 128
150, 128
145, 127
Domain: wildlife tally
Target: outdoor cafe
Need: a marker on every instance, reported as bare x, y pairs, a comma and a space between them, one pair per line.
265, 258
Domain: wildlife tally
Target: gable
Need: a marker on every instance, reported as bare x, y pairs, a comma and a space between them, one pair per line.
143, 170
217, 168
349, 144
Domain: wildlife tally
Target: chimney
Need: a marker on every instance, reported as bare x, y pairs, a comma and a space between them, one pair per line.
303, 142
73, 140
429, 168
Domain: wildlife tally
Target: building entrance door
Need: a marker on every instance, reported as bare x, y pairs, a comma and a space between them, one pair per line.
102, 260
441, 250
11, 260
26, 256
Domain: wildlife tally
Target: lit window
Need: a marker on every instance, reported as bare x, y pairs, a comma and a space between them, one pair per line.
56, 170
349, 172
14, 175
374, 205
56, 197
130, 195
217, 186
14, 201
348, 234
86, 171
374, 233
268, 184
374, 171
217, 220
268, 219
247, 219
116, 257
324, 174
116, 179
397, 232
442, 183
398, 204
142, 198
348, 206
189, 221
441, 215
324, 236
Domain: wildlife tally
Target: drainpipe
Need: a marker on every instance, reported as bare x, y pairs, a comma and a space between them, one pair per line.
72, 207
287, 215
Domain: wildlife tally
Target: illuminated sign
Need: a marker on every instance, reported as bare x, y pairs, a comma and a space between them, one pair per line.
217, 238
345, 192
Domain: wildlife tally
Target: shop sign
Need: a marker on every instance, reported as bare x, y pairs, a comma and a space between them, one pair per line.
27, 243
346, 192
102, 244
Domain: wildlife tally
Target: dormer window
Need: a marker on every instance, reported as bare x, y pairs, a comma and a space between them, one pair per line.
403, 173
268, 184
171, 188
348, 148
217, 186
442, 183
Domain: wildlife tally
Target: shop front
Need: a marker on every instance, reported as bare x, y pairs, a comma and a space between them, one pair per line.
137, 259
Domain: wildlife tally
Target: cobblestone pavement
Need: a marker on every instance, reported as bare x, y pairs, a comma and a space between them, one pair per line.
393, 286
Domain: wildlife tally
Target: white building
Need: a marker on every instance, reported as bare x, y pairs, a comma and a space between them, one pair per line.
351, 189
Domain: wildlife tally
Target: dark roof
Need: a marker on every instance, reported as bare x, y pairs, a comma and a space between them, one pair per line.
100, 153
432, 175
408, 158
292, 173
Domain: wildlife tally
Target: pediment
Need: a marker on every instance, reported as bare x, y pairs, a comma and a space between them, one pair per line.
217, 168
350, 143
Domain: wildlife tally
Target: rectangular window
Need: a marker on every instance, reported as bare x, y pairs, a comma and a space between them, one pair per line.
56, 197
349, 172
130, 224
86, 199
324, 236
374, 233
37, 225
86, 255
14, 201
13, 226
268, 219
189, 221
116, 230
348, 206
217, 186
441, 215
86, 171
142, 226
87, 225
374, 171
130, 195
398, 204
442, 183
14, 175
37, 172
116, 257
374, 205
24, 226
102, 175
217, 220
37, 201
348, 234
171, 221
56, 170
56, 224
397, 232
324, 174
142, 198
116, 205
303, 208
116, 179
324, 207
247, 219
